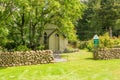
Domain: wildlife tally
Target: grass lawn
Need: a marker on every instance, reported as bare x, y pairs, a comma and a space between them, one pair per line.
80, 66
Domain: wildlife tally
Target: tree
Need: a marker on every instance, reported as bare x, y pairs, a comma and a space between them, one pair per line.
29, 18
5, 13
108, 13
101, 16
84, 29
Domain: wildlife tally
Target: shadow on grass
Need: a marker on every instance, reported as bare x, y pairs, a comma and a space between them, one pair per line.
89, 58
2, 68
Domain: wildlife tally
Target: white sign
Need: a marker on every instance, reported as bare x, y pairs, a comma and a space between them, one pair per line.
96, 37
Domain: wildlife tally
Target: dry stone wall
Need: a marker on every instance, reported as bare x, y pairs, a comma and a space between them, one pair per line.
108, 53
25, 58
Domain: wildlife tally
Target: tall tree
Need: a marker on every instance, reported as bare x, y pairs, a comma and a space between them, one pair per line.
29, 18
101, 16
5, 12
108, 14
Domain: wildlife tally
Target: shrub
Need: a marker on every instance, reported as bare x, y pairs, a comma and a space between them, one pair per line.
22, 48
41, 47
3, 35
74, 44
2, 49
83, 44
90, 45
106, 41
116, 42
70, 49
10, 45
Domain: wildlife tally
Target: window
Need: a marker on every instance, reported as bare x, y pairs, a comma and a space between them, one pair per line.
45, 38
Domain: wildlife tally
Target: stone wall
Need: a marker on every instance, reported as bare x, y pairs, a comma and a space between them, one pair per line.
108, 53
25, 58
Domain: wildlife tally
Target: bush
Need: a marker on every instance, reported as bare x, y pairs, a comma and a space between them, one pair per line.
116, 42
3, 35
70, 49
90, 45
22, 48
2, 49
106, 41
41, 47
10, 45
74, 44
83, 44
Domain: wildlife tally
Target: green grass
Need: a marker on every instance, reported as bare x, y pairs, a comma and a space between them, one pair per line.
80, 66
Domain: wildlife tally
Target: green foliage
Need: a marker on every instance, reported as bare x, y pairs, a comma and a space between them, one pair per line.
105, 41
3, 36
83, 44
117, 25
3, 31
26, 20
69, 49
99, 17
74, 43
70, 33
22, 48
90, 45
41, 47
10, 45
2, 49
116, 42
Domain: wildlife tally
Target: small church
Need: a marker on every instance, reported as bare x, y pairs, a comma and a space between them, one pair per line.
53, 40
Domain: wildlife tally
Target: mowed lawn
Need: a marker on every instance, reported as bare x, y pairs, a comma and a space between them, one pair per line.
80, 66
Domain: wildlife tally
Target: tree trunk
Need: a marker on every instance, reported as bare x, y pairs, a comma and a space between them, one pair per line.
41, 29
30, 31
110, 32
22, 27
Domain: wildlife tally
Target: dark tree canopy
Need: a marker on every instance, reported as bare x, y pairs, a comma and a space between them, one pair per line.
100, 16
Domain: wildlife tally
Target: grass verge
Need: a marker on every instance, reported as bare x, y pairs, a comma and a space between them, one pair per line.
80, 66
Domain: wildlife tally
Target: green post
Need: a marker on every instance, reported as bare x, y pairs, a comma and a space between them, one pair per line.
96, 45
96, 41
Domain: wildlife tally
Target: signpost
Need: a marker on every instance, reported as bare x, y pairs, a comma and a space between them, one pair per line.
96, 45
96, 41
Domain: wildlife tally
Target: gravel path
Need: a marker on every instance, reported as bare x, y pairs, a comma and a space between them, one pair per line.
60, 60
